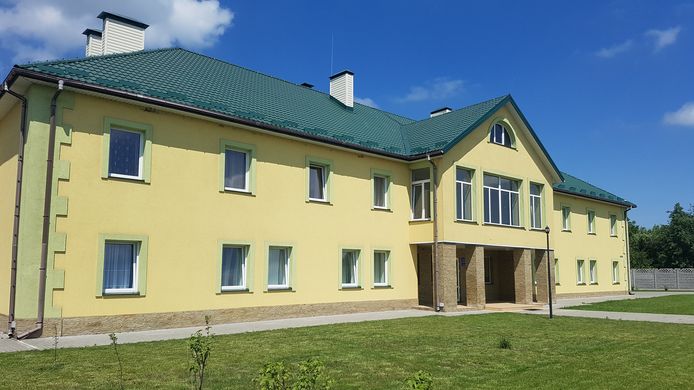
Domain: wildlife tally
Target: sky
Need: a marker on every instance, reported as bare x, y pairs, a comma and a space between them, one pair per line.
608, 86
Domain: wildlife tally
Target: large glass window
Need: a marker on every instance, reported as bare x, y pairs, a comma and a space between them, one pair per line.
350, 268
535, 206
125, 153
500, 135
278, 268
120, 267
421, 185
463, 193
317, 182
565, 218
580, 272
381, 276
380, 200
501, 201
237, 164
233, 268
593, 272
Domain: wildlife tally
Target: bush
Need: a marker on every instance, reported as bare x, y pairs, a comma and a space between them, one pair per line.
421, 380
310, 375
273, 376
504, 343
200, 347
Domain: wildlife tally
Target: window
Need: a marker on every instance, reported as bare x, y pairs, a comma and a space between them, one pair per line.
350, 268
535, 206
120, 267
237, 167
500, 135
317, 182
565, 218
126, 154
380, 191
501, 201
278, 268
580, 272
463, 194
556, 272
591, 222
420, 194
488, 272
613, 225
615, 272
593, 272
381, 277
234, 268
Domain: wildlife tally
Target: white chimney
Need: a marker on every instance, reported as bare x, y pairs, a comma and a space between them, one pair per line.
440, 111
94, 41
342, 87
121, 34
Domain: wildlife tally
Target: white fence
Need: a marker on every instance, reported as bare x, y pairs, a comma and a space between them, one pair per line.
662, 279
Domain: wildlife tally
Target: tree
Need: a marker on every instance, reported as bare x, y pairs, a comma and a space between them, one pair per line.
664, 246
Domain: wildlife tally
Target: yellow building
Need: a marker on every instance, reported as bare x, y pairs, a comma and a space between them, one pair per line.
183, 186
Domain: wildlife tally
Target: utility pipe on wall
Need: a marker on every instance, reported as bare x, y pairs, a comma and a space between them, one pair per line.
38, 330
435, 248
11, 325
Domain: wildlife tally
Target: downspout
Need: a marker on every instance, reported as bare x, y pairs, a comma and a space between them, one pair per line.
38, 330
11, 325
626, 222
435, 247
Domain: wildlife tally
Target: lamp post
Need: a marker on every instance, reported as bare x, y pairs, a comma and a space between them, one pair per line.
549, 274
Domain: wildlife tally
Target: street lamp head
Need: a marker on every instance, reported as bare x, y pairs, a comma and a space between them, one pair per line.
547, 229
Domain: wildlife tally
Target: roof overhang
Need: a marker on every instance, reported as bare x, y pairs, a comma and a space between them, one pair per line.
626, 205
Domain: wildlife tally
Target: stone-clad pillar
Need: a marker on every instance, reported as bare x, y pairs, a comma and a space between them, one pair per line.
474, 276
447, 283
541, 276
522, 276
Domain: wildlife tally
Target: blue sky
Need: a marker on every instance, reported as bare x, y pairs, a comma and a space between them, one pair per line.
607, 85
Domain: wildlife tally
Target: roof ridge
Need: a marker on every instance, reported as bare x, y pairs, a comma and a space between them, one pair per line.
502, 97
88, 58
589, 183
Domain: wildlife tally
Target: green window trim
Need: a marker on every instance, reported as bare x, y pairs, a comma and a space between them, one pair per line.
360, 268
249, 252
224, 145
328, 165
509, 128
291, 278
389, 182
389, 268
143, 248
144, 128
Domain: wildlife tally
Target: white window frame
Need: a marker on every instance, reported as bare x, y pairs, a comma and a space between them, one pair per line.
580, 271
244, 252
136, 262
287, 268
593, 271
247, 176
355, 268
141, 160
386, 266
324, 174
504, 133
533, 223
566, 219
613, 225
461, 184
615, 272
425, 205
591, 221
510, 200
386, 188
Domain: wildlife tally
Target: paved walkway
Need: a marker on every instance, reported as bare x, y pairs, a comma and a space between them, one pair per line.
613, 315
7, 345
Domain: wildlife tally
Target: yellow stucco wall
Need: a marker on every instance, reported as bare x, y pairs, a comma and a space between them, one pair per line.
184, 216
9, 144
579, 244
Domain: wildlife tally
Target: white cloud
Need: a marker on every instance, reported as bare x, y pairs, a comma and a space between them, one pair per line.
612, 51
366, 101
47, 29
682, 117
663, 38
440, 88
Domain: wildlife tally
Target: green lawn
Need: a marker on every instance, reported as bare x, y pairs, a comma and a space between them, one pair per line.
460, 352
669, 304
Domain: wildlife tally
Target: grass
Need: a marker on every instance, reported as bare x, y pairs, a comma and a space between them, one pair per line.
670, 304
460, 352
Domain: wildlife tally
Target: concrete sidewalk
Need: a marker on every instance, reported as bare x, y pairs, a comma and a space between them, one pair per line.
613, 315
7, 345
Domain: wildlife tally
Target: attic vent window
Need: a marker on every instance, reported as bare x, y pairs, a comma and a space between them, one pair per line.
500, 135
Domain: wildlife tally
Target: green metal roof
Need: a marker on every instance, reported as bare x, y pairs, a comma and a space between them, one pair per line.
191, 80
575, 186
